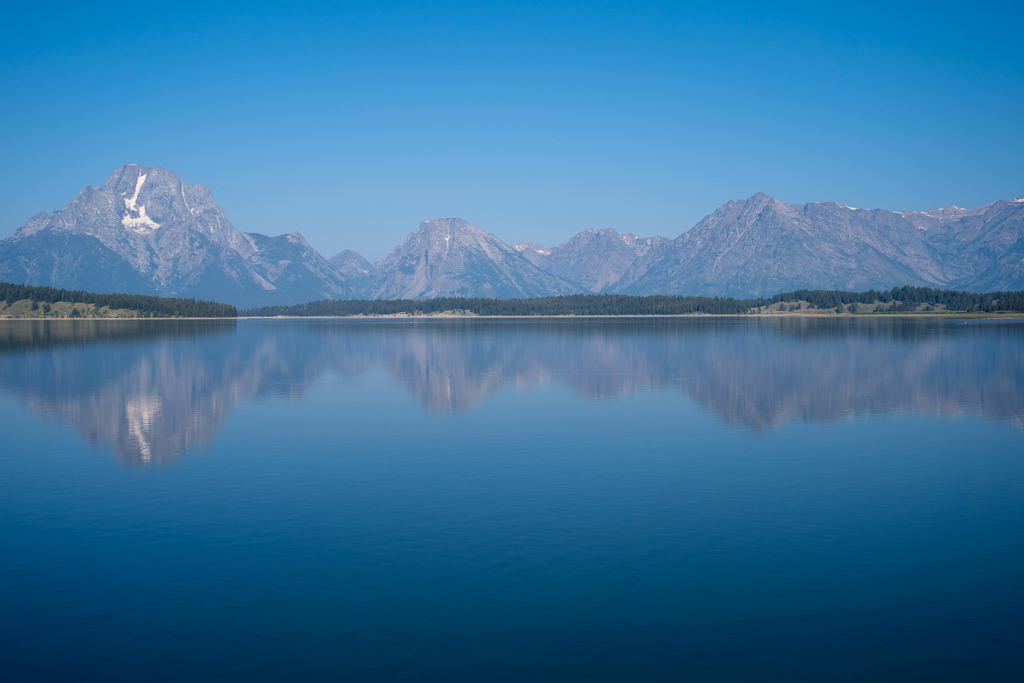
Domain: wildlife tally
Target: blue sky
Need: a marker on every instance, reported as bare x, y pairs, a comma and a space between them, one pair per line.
352, 123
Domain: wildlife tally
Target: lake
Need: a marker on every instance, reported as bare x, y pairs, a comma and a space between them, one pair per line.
719, 499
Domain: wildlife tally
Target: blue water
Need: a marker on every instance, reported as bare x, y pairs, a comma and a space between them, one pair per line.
640, 499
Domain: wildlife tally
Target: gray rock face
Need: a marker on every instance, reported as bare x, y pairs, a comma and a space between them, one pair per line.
533, 252
761, 247
596, 260
353, 267
450, 257
146, 231
985, 245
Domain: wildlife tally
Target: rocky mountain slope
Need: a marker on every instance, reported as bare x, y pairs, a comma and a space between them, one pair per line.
450, 257
762, 246
595, 260
145, 231
354, 268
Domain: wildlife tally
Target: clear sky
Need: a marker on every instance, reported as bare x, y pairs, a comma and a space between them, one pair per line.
353, 122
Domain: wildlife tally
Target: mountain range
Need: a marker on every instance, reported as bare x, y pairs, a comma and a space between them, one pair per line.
146, 231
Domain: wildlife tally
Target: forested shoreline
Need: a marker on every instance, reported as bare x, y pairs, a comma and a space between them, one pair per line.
29, 301
897, 300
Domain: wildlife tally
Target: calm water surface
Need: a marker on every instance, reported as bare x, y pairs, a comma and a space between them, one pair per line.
639, 499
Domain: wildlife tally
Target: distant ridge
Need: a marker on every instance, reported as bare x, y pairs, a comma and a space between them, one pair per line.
145, 231
761, 245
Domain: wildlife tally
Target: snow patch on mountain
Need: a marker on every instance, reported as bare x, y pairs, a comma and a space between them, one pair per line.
141, 223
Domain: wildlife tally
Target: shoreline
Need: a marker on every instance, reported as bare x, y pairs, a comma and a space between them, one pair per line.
602, 315
446, 316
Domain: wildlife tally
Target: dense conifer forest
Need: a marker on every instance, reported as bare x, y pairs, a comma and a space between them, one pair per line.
47, 302
51, 302
572, 304
897, 300
904, 300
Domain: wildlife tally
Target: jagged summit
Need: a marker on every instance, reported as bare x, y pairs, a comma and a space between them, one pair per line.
147, 231
353, 267
526, 245
762, 246
139, 200
532, 252
597, 259
452, 257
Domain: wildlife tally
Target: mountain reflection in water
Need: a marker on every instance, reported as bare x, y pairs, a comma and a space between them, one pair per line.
151, 390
